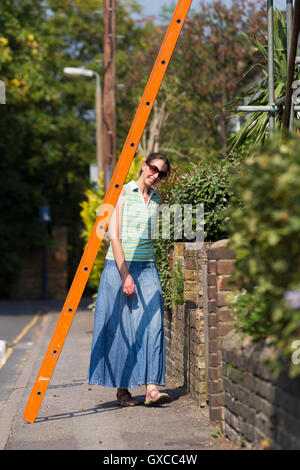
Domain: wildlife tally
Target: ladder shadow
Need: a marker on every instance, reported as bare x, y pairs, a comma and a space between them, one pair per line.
113, 406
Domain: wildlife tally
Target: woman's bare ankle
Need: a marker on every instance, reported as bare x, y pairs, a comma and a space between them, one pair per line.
150, 387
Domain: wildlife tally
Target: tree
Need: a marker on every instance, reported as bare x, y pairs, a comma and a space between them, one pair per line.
150, 141
211, 57
48, 131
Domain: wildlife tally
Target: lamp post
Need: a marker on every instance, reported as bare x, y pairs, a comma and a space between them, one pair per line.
76, 72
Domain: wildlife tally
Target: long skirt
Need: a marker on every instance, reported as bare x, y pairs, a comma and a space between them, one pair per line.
128, 346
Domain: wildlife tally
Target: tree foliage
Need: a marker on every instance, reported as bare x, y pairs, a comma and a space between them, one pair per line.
211, 58
48, 124
263, 223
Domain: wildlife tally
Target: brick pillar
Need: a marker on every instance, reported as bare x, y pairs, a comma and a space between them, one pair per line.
220, 267
198, 347
186, 357
175, 327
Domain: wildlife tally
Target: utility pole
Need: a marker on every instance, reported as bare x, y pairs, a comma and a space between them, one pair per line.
98, 108
109, 84
291, 64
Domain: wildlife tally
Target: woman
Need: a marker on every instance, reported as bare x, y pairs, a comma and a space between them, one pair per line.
128, 347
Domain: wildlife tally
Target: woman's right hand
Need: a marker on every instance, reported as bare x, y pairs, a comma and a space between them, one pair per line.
128, 285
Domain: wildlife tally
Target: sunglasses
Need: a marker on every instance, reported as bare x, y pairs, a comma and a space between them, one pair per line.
154, 170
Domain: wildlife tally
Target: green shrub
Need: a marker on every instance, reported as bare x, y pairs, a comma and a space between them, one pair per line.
178, 284
89, 209
205, 183
263, 222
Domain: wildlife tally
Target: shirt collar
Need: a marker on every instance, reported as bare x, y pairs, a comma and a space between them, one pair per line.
132, 185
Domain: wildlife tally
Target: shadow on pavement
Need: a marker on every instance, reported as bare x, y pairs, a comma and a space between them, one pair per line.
174, 394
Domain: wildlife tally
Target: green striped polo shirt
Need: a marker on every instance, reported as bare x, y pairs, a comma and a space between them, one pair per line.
138, 220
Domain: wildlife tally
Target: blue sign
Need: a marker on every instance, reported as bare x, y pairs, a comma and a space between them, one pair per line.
45, 214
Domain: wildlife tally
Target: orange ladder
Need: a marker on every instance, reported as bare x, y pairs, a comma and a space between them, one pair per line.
105, 211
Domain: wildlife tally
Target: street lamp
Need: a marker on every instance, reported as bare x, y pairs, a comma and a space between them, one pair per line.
77, 72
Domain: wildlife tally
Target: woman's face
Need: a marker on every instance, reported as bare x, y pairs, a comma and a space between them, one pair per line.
150, 173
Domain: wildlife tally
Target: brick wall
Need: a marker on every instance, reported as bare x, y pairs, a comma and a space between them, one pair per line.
186, 325
259, 408
218, 366
29, 285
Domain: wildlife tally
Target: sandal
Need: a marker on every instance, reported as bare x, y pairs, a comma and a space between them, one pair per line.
126, 399
155, 397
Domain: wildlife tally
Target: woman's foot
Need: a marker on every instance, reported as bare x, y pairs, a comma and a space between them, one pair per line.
155, 397
125, 398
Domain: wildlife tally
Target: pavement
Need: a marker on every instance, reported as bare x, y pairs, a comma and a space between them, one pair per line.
77, 416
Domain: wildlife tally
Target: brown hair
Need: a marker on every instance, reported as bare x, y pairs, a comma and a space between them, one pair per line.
158, 156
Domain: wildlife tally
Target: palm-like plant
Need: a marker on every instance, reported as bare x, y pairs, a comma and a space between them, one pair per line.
255, 128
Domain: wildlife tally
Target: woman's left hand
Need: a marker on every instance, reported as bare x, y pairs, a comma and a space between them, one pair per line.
129, 286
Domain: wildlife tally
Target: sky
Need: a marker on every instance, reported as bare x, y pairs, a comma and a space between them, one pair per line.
152, 7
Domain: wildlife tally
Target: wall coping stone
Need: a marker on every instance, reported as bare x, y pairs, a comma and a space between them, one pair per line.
256, 352
219, 250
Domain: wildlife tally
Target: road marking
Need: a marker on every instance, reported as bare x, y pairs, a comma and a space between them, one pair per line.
5, 357
2, 351
17, 339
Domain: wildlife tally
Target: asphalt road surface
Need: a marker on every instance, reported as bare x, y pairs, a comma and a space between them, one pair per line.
19, 327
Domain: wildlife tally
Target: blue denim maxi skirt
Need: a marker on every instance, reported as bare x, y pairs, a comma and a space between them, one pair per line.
128, 346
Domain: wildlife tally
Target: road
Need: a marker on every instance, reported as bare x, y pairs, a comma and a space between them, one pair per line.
19, 327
